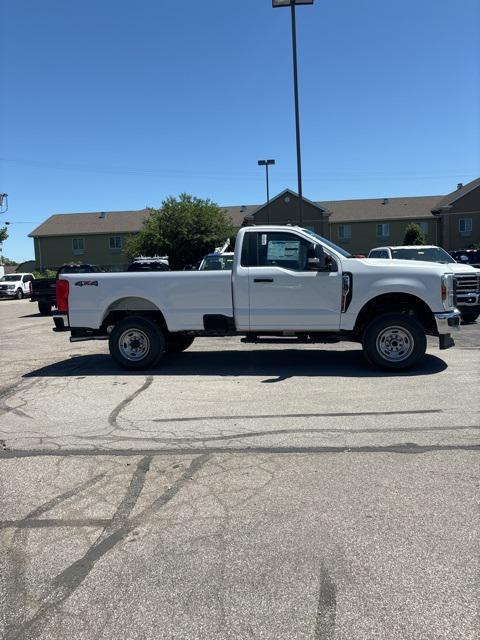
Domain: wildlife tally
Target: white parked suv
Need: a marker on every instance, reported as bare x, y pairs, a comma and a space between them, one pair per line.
16, 285
467, 277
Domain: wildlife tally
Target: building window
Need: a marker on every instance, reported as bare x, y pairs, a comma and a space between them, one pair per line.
78, 246
116, 243
465, 226
383, 230
344, 232
424, 227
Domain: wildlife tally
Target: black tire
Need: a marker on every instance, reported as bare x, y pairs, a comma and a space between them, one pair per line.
469, 317
176, 343
394, 341
19, 294
45, 308
139, 337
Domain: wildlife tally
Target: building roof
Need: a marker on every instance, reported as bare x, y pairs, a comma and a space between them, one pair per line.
380, 208
238, 214
66, 224
457, 194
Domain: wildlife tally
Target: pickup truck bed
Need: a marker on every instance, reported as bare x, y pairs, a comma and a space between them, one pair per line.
185, 296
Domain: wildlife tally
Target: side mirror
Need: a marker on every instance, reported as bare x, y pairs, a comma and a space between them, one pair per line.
316, 258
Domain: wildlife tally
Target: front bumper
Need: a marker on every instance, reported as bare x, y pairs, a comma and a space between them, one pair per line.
447, 322
8, 294
469, 300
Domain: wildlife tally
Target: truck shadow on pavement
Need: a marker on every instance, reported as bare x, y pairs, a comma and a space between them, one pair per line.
274, 365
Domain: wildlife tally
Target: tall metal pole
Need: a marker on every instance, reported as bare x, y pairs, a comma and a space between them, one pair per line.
297, 113
268, 196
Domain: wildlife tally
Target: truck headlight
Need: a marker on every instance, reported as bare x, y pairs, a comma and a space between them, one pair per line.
448, 291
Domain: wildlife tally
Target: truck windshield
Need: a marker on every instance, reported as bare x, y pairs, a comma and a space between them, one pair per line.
10, 278
428, 254
330, 244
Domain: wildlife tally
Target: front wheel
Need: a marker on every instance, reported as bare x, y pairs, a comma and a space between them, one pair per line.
178, 343
394, 341
19, 295
137, 343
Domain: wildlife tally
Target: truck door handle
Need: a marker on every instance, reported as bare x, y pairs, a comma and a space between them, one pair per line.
263, 279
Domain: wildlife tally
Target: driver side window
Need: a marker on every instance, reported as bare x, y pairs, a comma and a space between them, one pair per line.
281, 249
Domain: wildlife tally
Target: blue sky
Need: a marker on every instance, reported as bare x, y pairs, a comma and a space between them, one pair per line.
113, 105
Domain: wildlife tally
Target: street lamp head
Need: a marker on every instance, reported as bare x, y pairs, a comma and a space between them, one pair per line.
288, 3
263, 163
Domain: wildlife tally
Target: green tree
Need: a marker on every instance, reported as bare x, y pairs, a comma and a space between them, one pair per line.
3, 234
184, 228
413, 235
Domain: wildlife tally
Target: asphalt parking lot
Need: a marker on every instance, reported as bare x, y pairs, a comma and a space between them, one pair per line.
240, 491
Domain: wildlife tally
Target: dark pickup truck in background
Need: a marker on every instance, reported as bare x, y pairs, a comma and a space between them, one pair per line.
43, 290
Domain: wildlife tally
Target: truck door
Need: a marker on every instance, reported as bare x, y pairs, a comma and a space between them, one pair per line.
284, 294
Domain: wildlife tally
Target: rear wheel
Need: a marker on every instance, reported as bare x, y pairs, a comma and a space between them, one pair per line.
394, 341
469, 317
137, 343
178, 343
45, 308
19, 294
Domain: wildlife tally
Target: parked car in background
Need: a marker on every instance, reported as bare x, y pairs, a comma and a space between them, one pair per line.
42, 290
467, 256
467, 277
217, 262
16, 285
155, 263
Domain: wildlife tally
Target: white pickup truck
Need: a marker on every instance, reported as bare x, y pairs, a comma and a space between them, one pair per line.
287, 283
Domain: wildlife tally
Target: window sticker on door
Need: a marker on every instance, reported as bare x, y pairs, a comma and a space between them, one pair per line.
264, 239
283, 250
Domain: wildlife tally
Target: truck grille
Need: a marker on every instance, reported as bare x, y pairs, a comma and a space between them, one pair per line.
467, 283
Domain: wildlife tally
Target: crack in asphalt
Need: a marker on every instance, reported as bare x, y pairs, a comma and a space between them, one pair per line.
344, 414
116, 531
402, 448
45, 523
326, 608
112, 418
259, 434
17, 594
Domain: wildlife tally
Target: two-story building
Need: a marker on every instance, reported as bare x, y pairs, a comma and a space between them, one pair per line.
451, 221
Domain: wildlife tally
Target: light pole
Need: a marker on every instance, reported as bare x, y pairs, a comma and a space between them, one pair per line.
266, 164
292, 4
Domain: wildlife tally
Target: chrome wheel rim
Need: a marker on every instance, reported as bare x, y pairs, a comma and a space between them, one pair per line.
395, 344
134, 345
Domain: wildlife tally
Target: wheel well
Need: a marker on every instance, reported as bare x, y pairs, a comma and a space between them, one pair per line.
131, 306
396, 303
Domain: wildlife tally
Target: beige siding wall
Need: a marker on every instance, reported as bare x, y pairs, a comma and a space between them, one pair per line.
51, 252
364, 234
453, 238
